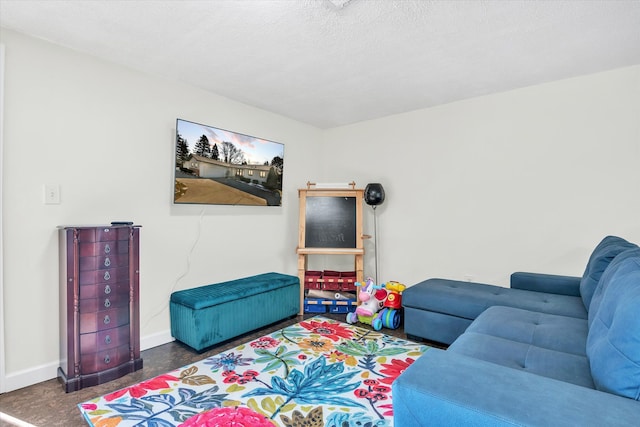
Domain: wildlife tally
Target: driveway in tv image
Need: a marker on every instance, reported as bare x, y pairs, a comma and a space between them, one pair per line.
225, 191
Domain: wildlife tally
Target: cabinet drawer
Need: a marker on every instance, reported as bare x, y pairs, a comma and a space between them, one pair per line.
111, 275
94, 362
103, 262
104, 290
99, 341
101, 320
112, 300
109, 234
102, 234
103, 248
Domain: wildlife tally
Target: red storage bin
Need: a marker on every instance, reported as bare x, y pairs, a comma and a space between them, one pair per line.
313, 279
348, 281
331, 280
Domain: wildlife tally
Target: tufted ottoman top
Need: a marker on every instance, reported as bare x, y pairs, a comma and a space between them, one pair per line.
220, 293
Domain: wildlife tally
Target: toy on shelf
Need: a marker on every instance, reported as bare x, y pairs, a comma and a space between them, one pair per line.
379, 305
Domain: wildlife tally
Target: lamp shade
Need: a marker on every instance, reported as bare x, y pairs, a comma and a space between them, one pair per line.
374, 194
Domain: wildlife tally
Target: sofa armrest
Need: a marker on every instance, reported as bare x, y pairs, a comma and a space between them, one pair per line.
445, 388
550, 283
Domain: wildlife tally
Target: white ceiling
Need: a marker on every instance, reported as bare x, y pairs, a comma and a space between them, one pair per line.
335, 62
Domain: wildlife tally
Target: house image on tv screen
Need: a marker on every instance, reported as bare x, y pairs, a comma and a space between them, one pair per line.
215, 166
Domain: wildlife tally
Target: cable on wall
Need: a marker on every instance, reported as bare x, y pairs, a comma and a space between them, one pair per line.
184, 274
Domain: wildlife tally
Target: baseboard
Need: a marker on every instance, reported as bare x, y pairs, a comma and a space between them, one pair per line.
31, 376
49, 371
11, 421
156, 339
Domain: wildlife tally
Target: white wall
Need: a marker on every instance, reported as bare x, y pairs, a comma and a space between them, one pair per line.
2, 320
106, 135
530, 179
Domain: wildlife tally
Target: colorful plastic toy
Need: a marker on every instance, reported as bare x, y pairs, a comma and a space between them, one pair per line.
379, 304
372, 298
390, 314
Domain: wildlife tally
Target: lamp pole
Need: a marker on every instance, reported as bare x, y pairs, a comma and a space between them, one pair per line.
374, 196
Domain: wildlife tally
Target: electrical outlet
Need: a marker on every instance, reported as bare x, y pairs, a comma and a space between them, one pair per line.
51, 194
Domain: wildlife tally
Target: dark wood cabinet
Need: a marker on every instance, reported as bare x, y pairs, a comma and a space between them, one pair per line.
99, 304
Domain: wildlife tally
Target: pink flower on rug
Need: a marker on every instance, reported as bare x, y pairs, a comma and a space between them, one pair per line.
139, 390
228, 417
89, 406
394, 369
265, 342
375, 385
333, 331
231, 377
375, 392
389, 409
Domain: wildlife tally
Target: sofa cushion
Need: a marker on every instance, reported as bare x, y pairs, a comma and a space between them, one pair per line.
467, 300
599, 260
567, 367
559, 333
613, 343
442, 388
606, 281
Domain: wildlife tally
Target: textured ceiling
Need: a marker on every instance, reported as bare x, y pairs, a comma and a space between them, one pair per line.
335, 62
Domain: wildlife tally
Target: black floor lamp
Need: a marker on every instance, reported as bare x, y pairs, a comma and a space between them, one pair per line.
374, 196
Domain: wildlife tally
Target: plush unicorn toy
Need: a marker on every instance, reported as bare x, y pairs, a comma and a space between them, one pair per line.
371, 297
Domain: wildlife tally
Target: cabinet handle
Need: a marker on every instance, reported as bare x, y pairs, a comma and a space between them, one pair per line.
107, 303
107, 339
107, 319
107, 262
107, 359
107, 248
107, 289
107, 275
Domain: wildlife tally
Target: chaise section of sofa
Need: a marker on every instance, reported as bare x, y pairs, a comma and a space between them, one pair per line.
441, 309
513, 366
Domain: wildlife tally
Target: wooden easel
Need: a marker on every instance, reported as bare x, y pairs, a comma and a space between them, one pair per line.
330, 227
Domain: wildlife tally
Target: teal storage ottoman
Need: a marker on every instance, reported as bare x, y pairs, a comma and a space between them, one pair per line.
207, 315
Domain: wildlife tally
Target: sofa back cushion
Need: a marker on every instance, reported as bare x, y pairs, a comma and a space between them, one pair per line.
599, 260
613, 342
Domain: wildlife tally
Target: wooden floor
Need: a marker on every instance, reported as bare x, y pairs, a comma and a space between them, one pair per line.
46, 403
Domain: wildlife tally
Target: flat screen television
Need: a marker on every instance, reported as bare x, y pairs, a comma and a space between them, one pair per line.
219, 167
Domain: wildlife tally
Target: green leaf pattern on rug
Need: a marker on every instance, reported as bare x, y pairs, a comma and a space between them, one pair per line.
368, 352
278, 358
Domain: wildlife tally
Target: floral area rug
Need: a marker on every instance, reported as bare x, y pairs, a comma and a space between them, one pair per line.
316, 373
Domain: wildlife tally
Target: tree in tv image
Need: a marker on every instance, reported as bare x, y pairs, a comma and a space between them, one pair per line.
219, 167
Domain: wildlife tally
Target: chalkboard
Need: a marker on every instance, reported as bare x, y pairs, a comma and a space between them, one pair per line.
330, 222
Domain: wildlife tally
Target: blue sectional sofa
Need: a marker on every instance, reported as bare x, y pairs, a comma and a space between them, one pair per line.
550, 350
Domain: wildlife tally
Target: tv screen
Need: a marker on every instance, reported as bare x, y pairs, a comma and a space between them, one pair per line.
219, 167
